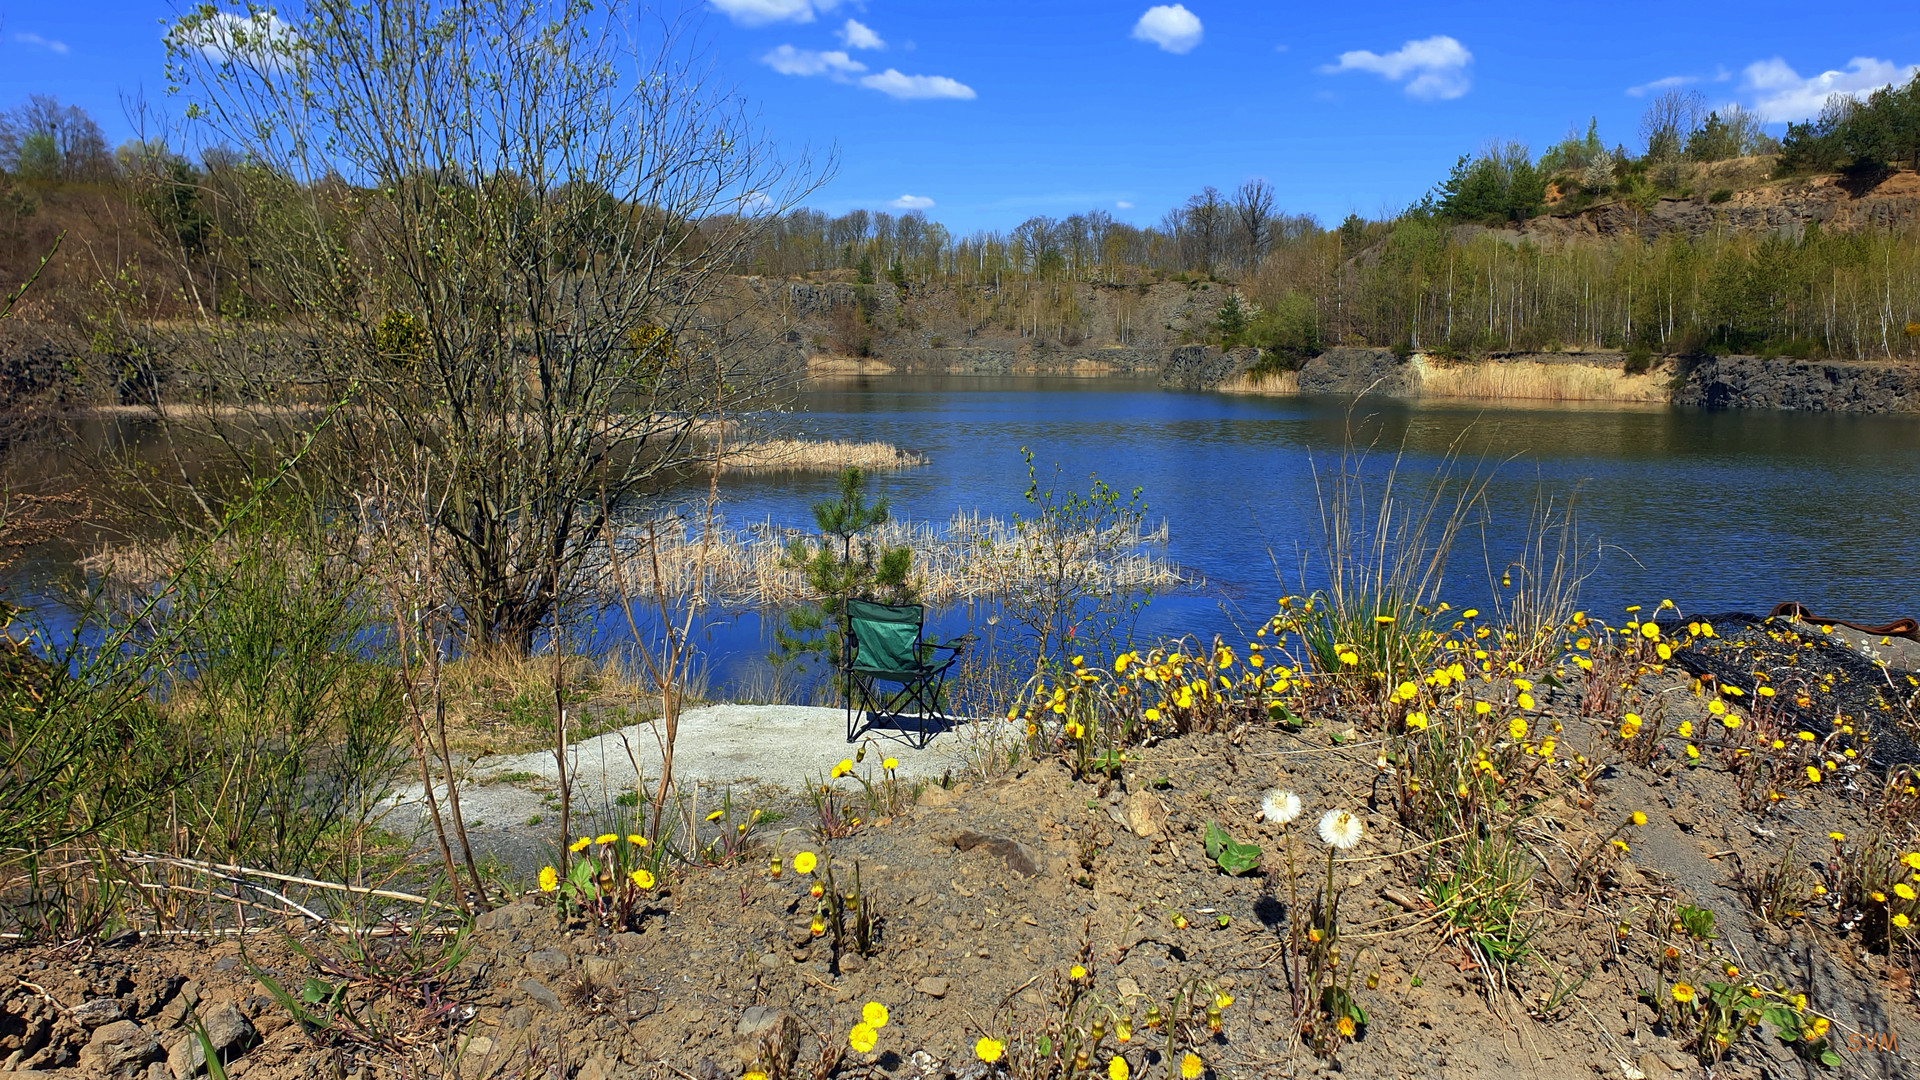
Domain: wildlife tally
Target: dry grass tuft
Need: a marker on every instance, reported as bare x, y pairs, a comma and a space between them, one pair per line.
1530, 380
972, 556
831, 455
1277, 382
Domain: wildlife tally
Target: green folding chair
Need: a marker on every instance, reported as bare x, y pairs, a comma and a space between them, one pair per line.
884, 645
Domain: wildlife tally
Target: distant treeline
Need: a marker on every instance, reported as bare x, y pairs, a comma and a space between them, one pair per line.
1415, 281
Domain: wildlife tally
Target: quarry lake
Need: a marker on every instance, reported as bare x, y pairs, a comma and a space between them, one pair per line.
1720, 511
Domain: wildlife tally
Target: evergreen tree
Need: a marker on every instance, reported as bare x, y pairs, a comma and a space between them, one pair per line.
842, 565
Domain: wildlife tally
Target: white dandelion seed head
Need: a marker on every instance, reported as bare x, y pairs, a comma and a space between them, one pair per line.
1342, 829
1280, 807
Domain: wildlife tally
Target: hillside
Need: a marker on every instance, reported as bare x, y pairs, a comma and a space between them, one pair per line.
1742, 197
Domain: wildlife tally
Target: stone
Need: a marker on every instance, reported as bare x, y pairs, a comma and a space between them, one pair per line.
770, 961
601, 970
1016, 857
227, 1029
1127, 987
547, 962
538, 991
933, 986
516, 1018
1145, 813
479, 1046
852, 964
92, 1014
935, 795
757, 1020
120, 1049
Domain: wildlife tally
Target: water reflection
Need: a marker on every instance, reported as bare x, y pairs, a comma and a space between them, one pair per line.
1720, 511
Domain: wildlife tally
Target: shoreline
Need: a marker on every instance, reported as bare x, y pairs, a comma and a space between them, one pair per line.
1578, 379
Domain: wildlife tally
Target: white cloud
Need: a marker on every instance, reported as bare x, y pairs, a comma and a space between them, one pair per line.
45, 43
912, 202
835, 64
1669, 83
858, 35
839, 67
762, 12
1170, 26
1123, 205
909, 87
261, 40
1436, 68
1780, 93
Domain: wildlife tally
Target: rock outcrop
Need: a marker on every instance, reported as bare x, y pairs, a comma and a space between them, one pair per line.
1349, 370
1754, 382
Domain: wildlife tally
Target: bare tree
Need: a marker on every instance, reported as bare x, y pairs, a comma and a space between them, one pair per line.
1207, 221
502, 230
46, 140
1669, 121
1253, 209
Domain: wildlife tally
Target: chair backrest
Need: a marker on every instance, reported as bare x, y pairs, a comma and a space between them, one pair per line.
886, 636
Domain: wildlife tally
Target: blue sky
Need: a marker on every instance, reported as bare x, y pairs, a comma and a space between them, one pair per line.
986, 113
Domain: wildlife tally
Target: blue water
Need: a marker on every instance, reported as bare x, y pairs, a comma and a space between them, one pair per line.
1719, 511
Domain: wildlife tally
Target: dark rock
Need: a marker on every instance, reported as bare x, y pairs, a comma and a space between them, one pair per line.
99, 1011
1203, 367
1016, 856
1754, 382
1358, 371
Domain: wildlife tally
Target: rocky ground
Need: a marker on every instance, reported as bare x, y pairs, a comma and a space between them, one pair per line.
987, 894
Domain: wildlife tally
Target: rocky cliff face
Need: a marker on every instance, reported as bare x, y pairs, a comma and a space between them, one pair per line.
1359, 371
1786, 206
1753, 382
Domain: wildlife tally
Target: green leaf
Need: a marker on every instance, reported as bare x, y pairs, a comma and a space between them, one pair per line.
1830, 1059
215, 1071
1233, 857
1045, 1046
1216, 840
1279, 714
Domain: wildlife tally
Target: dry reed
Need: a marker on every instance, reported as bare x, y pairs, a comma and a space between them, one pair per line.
1274, 382
1530, 380
970, 557
774, 455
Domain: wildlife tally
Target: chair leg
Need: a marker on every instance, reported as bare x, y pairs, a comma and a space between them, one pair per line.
856, 690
